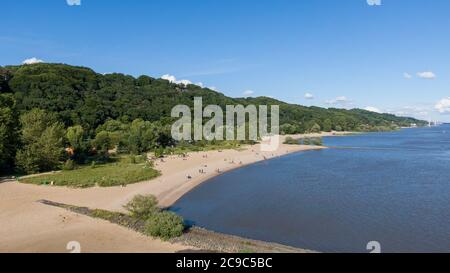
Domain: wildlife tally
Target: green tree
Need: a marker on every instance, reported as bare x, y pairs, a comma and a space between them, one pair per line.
43, 139
5, 76
75, 136
8, 131
145, 136
103, 142
315, 128
327, 125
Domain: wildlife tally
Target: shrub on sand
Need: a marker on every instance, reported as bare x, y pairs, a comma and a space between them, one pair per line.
142, 206
165, 225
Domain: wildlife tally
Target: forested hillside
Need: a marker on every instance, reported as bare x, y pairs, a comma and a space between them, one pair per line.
43, 106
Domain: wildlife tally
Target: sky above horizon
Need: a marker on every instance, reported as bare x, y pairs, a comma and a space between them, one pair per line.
391, 57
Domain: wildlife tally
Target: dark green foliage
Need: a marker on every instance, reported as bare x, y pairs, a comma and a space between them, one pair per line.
165, 225
5, 76
158, 223
69, 165
291, 141
142, 206
82, 97
327, 126
42, 137
9, 134
317, 141
103, 142
314, 141
315, 128
76, 138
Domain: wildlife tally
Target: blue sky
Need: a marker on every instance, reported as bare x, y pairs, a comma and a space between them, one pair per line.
344, 53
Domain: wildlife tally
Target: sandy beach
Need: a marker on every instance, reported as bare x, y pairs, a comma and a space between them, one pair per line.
28, 226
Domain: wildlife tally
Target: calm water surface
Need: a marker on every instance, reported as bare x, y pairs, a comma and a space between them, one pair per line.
393, 188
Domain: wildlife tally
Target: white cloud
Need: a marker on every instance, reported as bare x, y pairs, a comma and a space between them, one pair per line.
33, 60
248, 93
374, 2
428, 75
443, 106
418, 111
373, 109
185, 82
309, 96
74, 2
407, 76
173, 79
169, 78
342, 100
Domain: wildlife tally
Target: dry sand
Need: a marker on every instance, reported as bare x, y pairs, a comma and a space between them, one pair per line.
28, 226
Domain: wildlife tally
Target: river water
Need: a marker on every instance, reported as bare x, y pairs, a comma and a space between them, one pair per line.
393, 188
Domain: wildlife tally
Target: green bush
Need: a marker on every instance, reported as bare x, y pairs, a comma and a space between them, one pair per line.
165, 225
134, 159
69, 165
142, 206
159, 152
317, 141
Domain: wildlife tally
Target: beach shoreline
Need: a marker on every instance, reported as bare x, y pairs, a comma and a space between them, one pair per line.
52, 228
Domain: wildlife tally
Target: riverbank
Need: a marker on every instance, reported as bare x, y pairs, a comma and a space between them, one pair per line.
28, 226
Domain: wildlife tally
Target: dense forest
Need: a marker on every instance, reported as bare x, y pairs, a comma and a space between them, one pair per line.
51, 113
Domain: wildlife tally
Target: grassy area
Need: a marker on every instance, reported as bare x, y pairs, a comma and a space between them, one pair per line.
204, 147
107, 175
314, 141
